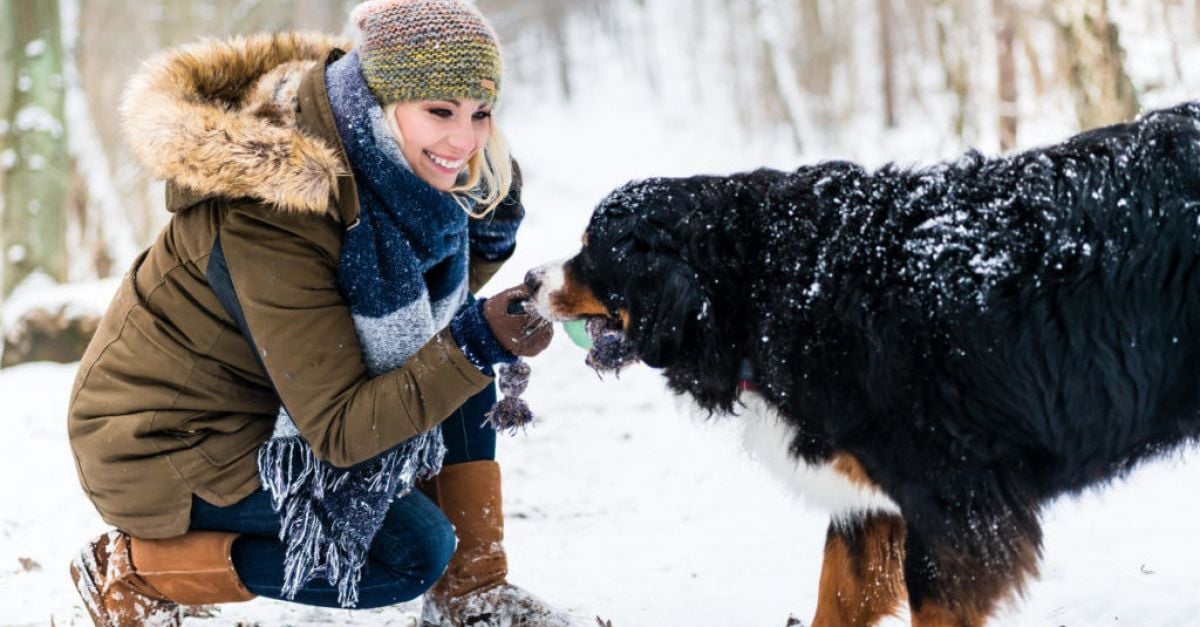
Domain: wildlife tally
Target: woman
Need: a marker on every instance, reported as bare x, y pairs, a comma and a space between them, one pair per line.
270, 379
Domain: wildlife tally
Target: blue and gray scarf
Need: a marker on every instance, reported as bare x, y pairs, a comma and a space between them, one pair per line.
403, 273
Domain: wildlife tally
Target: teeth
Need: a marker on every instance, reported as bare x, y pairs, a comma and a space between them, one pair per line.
451, 165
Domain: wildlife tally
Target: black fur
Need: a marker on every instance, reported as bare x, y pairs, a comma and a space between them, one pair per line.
982, 335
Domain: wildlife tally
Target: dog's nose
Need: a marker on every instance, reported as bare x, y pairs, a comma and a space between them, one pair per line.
533, 279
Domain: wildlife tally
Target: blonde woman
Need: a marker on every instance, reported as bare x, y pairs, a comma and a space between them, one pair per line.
300, 347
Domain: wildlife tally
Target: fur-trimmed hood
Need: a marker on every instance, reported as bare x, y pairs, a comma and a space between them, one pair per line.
219, 118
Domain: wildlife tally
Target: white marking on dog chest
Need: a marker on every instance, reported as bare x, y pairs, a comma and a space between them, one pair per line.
767, 437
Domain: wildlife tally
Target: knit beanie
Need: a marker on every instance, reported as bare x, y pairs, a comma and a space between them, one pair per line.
427, 50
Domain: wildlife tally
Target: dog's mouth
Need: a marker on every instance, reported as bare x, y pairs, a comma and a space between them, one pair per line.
597, 324
611, 350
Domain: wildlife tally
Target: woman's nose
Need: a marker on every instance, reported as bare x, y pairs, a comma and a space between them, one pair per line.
462, 137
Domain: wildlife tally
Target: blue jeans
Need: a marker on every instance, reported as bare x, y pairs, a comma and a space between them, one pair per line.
409, 553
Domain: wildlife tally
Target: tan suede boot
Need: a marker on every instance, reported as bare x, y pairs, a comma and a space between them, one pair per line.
474, 590
126, 581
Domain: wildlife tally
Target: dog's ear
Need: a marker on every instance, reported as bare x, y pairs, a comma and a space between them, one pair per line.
672, 315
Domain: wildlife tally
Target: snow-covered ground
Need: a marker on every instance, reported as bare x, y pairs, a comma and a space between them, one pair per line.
619, 502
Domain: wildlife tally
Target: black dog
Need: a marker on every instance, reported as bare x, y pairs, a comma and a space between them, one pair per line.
959, 343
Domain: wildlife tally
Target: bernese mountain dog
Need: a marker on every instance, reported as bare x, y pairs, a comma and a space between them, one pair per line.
939, 351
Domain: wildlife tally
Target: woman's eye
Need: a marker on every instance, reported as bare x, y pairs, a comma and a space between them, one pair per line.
441, 113
482, 115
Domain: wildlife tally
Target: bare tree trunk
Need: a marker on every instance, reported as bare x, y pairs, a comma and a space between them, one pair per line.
779, 68
1036, 75
1006, 73
744, 60
1104, 93
917, 10
949, 18
132, 202
843, 20
33, 233
8, 79
557, 28
1169, 6
887, 61
817, 48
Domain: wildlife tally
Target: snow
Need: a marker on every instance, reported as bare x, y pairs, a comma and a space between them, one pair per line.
15, 253
38, 291
107, 210
36, 119
619, 502
35, 48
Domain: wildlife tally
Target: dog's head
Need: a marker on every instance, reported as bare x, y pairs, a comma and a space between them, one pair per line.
658, 257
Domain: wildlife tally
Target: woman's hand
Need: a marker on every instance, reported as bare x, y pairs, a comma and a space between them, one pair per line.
516, 325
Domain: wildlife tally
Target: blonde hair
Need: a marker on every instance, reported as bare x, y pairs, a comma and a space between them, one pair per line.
489, 171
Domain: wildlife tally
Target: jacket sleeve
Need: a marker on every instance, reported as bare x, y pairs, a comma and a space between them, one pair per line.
283, 270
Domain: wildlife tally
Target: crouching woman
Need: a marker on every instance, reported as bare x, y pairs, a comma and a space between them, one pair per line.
300, 347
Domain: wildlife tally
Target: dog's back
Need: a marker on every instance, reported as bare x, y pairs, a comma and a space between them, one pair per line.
1044, 302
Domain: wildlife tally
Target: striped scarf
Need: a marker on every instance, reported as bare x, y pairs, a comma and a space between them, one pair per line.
403, 273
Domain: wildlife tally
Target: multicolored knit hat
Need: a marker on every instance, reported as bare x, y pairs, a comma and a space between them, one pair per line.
427, 50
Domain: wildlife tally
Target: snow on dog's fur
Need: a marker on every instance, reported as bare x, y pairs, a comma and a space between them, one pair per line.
960, 343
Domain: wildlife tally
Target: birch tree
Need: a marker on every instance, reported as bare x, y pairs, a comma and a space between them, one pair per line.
1095, 62
1006, 72
35, 159
887, 61
949, 16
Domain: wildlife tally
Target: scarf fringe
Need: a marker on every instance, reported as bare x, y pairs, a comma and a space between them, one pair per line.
329, 515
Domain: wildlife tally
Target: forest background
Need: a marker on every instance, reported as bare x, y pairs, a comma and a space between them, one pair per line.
825, 78
617, 501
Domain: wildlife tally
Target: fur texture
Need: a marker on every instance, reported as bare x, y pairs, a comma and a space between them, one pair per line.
978, 337
218, 117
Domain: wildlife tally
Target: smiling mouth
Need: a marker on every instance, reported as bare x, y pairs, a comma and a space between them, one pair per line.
445, 164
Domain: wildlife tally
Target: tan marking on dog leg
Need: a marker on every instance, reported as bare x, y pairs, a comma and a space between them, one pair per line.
862, 578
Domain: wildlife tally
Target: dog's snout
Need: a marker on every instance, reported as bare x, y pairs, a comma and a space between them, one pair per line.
534, 279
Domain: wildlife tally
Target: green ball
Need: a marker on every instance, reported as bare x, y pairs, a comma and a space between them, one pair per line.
577, 331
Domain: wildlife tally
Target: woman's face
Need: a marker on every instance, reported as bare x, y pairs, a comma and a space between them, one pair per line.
438, 137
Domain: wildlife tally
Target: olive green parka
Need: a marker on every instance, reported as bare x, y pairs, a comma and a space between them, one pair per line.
170, 400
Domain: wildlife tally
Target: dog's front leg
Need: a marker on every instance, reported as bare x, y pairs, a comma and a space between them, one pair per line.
958, 576
862, 578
